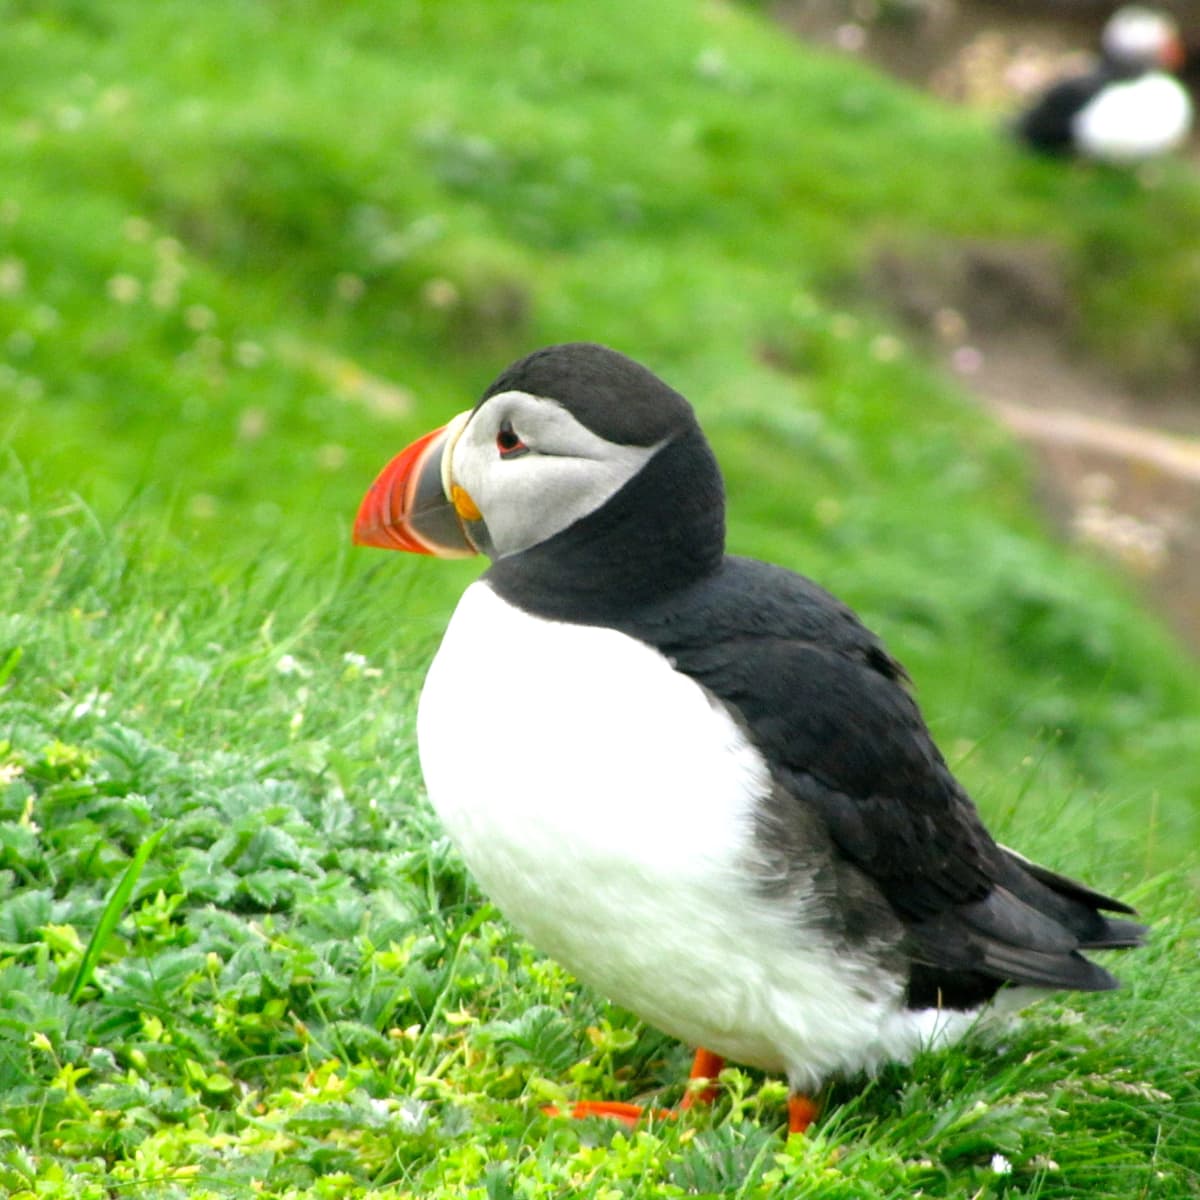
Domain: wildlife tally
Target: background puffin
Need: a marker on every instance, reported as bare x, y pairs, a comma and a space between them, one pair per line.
1129, 108
695, 779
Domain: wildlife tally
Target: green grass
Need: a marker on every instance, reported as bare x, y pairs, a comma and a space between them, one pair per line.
248, 250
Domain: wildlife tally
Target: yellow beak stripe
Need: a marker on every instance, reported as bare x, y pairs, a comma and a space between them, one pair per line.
464, 505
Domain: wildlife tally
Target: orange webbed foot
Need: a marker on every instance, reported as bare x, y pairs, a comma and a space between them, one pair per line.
616, 1110
705, 1065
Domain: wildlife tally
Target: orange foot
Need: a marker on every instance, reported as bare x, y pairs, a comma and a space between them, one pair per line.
616, 1110
802, 1112
707, 1066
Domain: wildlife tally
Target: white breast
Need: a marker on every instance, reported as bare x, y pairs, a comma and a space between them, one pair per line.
1129, 122
605, 803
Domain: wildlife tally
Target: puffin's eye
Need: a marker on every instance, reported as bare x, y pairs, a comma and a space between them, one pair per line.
508, 443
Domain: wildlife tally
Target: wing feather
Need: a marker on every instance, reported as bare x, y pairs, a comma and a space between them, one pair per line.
829, 709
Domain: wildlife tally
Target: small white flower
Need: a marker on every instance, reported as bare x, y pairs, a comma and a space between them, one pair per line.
289, 664
124, 289
253, 423
1001, 1165
137, 229
850, 37
358, 666
886, 348
843, 325
12, 276
440, 294
413, 1115
349, 287
331, 457
949, 325
164, 293
711, 64
94, 702
114, 100
199, 317
249, 354
966, 360
203, 506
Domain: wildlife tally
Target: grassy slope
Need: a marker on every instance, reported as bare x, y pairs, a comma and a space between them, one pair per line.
246, 255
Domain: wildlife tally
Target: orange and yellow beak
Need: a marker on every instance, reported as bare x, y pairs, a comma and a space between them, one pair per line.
414, 506
1174, 55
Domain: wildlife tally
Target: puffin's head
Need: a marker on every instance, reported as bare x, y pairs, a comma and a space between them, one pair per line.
552, 441
1137, 38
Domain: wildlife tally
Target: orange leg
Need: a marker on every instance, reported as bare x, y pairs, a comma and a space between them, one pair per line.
706, 1065
802, 1112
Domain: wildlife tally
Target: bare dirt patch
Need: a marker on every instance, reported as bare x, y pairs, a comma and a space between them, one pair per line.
1117, 471
1110, 475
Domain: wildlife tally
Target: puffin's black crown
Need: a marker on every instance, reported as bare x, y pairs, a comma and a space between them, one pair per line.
660, 532
615, 397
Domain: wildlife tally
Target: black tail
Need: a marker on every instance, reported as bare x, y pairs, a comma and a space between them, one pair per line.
1074, 905
1029, 929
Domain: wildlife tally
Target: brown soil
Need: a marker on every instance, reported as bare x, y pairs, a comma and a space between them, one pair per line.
1112, 474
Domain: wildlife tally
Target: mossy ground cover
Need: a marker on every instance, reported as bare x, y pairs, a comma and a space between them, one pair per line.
247, 251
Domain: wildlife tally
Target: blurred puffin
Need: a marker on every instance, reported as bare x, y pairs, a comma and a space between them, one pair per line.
1126, 110
694, 779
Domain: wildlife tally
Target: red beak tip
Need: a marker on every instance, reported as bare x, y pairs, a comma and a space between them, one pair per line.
385, 518
366, 525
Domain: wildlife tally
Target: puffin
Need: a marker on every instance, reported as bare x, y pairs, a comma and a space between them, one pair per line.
697, 780
1129, 108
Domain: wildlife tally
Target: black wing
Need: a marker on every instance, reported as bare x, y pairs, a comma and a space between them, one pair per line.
828, 707
1048, 125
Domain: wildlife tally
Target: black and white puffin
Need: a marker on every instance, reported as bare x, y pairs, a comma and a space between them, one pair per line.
697, 780
1129, 108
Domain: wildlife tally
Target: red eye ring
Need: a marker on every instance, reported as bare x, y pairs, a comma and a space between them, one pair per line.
508, 443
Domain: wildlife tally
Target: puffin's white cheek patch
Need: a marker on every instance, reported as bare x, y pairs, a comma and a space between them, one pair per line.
563, 473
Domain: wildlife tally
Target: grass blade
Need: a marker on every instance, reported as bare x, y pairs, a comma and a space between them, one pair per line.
113, 910
10, 664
